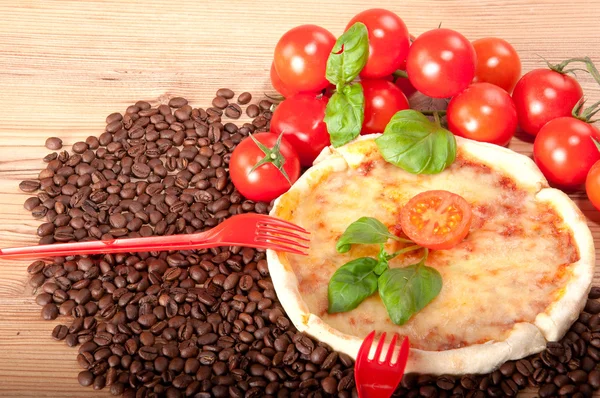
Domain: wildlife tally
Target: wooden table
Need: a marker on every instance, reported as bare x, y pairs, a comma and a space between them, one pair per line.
65, 65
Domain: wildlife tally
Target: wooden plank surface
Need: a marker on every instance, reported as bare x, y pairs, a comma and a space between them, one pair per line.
65, 65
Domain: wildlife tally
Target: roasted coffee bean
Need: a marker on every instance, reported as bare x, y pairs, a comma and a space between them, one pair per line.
53, 143
220, 102
252, 110
594, 379
29, 186
60, 332
85, 378
225, 93
243, 98
49, 312
592, 306
233, 111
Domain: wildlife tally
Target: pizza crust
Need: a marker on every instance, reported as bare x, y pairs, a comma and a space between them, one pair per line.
524, 339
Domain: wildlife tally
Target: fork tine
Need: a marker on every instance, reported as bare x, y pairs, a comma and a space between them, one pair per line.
283, 223
280, 231
391, 348
275, 239
379, 348
404, 350
366, 345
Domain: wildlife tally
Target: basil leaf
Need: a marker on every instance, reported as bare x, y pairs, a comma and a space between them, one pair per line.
365, 230
344, 114
417, 145
349, 55
406, 291
351, 284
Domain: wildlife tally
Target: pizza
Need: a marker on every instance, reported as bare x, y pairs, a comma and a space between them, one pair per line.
518, 280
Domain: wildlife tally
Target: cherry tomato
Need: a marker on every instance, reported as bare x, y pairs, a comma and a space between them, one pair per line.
542, 95
406, 86
564, 150
438, 220
441, 63
497, 63
382, 100
266, 182
388, 41
483, 112
301, 58
278, 85
300, 119
592, 185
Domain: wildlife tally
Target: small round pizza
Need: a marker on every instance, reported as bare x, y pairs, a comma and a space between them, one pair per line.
519, 278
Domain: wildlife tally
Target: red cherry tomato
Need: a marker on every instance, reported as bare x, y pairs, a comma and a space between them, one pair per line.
565, 152
497, 63
266, 182
542, 95
388, 41
483, 112
300, 119
382, 101
406, 86
441, 63
301, 58
438, 220
278, 85
592, 185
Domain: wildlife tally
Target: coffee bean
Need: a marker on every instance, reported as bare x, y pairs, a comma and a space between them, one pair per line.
233, 111
252, 111
60, 332
29, 186
177, 102
220, 102
524, 367
592, 306
594, 379
49, 312
53, 143
85, 378
244, 98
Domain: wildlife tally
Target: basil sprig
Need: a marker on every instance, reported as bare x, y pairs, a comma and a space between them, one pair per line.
345, 110
404, 291
411, 141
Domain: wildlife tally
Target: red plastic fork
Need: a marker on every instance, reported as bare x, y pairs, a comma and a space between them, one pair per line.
375, 378
250, 230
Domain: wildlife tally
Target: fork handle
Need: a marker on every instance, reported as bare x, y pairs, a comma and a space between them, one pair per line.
151, 243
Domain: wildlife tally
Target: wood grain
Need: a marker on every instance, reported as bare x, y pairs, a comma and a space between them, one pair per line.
65, 65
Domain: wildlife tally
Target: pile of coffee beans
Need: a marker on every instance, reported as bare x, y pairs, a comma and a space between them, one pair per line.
207, 323
201, 323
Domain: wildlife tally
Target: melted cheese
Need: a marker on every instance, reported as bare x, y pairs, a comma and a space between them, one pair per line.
508, 269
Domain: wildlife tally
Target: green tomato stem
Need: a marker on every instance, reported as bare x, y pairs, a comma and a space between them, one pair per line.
400, 73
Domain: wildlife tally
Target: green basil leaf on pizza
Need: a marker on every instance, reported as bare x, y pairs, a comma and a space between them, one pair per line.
365, 230
351, 284
412, 142
406, 291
